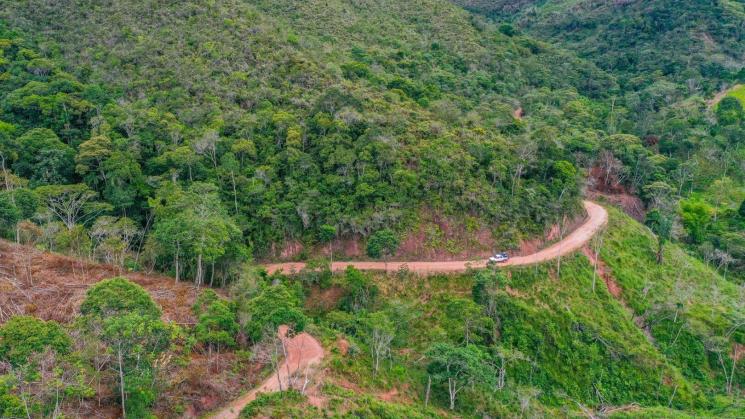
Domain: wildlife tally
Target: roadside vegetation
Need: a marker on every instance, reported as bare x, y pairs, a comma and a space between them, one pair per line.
195, 138
543, 340
549, 339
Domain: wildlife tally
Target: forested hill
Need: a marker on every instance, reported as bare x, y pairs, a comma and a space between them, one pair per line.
669, 58
199, 138
298, 120
699, 43
324, 121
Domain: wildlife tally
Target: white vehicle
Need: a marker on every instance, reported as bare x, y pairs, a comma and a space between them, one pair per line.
499, 258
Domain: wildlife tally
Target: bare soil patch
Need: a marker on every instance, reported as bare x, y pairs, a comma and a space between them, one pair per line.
518, 113
304, 352
52, 286
324, 299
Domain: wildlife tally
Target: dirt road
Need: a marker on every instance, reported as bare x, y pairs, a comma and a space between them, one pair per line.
303, 351
597, 216
720, 95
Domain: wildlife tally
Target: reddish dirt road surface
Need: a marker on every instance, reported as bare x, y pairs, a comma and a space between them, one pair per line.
597, 217
303, 351
720, 95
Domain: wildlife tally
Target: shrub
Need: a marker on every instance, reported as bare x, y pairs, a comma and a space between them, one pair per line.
117, 296
22, 336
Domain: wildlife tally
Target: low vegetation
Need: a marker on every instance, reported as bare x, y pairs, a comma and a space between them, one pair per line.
545, 340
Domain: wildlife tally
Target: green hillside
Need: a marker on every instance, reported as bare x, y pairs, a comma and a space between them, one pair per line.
199, 139
696, 42
561, 340
669, 59
312, 114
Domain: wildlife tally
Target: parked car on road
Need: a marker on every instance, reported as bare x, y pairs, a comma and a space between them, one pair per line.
499, 258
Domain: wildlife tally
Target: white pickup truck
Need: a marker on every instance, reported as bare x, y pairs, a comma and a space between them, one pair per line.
499, 258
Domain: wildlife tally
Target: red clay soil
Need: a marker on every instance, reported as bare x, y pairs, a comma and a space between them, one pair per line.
52, 287
603, 272
324, 299
615, 193
303, 351
518, 114
738, 352
597, 218
343, 346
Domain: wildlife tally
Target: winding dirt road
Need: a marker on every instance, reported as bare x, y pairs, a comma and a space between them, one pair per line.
597, 217
303, 351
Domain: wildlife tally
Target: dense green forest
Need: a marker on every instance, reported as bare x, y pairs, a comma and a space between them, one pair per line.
667, 58
295, 139
194, 138
695, 43
314, 122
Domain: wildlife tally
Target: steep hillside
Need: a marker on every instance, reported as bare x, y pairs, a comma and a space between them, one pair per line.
553, 340
311, 121
697, 42
194, 137
673, 60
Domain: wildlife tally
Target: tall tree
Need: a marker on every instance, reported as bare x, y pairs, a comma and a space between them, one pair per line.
458, 367
381, 332
43, 158
194, 223
661, 224
71, 204
9, 212
126, 320
696, 216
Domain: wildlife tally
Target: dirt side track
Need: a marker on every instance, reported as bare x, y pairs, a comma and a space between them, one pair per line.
597, 217
304, 352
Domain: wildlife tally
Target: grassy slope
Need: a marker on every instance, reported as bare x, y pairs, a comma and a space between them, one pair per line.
687, 305
738, 92
582, 346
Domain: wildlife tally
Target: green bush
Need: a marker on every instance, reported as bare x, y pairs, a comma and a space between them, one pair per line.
275, 305
217, 324
118, 296
382, 243
22, 336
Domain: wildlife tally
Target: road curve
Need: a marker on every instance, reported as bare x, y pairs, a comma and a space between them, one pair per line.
597, 217
303, 351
